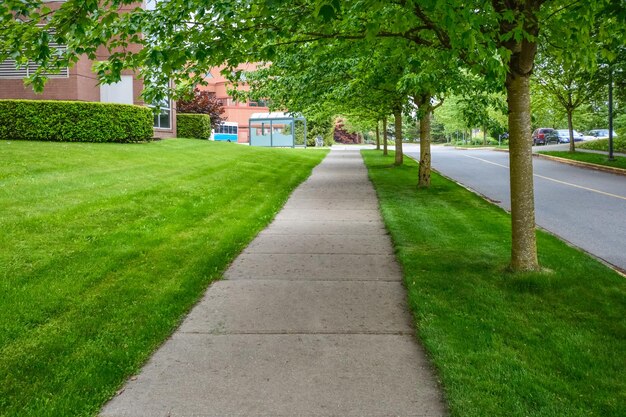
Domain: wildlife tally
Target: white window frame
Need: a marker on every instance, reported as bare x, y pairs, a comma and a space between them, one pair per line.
157, 116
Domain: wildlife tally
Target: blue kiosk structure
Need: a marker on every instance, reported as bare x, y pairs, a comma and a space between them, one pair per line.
277, 129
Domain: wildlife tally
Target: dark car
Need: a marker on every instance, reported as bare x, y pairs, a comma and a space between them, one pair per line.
539, 135
562, 136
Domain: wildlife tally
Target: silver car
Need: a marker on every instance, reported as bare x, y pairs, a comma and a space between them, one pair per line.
601, 133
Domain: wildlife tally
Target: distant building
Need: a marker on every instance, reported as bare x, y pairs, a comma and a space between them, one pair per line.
80, 83
236, 113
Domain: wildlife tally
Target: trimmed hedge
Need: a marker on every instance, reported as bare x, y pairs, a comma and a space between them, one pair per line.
196, 126
74, 121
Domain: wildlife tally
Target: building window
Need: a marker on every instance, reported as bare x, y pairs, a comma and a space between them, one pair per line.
258, 103
163, 119
9, 69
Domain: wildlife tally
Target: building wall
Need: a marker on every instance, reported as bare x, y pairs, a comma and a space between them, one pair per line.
233, 112
81, 84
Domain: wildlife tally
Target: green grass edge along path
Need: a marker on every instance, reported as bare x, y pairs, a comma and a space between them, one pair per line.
105, 247
591, 158
551, 343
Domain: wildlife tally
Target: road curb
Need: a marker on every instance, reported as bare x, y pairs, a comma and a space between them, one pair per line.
588, 165
603, 261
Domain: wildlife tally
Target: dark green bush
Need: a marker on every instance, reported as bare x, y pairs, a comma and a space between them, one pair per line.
196, 126
74, 121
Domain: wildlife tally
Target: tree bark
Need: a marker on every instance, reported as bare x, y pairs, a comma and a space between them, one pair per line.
385, 153
524, 243
377, 135
425, 111
484, 135
397, 114
570, 128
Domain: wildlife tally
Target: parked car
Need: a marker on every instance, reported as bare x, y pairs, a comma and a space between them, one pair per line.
601, 133
562, 136
539, 135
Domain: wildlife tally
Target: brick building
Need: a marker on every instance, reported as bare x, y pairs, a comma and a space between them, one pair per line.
80, 83
234, 112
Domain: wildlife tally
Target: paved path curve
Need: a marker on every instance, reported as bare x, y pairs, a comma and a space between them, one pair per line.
311, 321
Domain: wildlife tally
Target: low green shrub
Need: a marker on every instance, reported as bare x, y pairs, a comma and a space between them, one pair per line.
193, 126
74, 121
619, 144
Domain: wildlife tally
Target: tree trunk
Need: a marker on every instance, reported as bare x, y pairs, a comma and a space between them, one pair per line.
484, 135
385, 153
570, 127
397, 114
520, 68
377, 136
424, 167
425, 111
524, 242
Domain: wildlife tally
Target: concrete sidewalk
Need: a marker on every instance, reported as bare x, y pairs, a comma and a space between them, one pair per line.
311, 321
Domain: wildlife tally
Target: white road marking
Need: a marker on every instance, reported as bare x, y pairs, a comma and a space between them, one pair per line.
552, 179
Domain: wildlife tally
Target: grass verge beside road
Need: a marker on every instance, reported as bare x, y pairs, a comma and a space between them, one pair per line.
591, 158
104, 247
535, 344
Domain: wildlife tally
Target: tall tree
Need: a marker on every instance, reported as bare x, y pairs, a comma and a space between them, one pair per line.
181, 40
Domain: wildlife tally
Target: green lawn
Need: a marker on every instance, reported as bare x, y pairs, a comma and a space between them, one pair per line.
104, 247
619, 145
536, 344
593, 158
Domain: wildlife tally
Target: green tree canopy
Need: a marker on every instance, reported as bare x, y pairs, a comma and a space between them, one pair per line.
181, 40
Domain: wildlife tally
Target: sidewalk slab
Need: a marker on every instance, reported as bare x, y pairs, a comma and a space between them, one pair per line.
338, 181
312, 307
309, 267
281, 376
290, 227
306, 215
329, 187
331, 204
355, 194
329, 244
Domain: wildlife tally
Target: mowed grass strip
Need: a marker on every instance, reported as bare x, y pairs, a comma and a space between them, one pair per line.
537, 344
592, 158
105, 247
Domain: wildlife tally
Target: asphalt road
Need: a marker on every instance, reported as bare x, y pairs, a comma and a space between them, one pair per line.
585, 207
